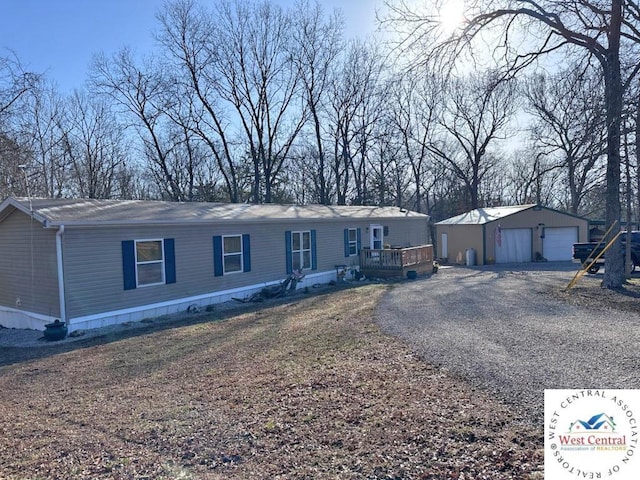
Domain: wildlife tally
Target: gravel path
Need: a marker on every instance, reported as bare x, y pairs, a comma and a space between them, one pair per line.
505, 330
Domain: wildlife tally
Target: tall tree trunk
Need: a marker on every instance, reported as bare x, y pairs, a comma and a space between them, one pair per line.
614, 271
637, 137
627, 166
322, 187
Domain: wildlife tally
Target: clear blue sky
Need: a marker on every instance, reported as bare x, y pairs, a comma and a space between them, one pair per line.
59, 37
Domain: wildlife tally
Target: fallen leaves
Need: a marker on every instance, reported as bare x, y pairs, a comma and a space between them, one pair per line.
310, 389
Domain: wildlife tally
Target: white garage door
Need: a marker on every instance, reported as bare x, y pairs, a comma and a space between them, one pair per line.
557, 243
513, 245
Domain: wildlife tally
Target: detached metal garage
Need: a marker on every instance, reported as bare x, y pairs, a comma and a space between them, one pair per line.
512, 234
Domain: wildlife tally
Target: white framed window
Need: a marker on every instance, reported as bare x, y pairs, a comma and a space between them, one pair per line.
232, 255
301, 250
149, 262
352, 239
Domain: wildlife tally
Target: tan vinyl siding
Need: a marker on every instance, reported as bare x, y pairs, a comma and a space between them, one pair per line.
330, 238
461, 238
93, 258
28, 269
99, 288
482, 236
531, 219
405, 232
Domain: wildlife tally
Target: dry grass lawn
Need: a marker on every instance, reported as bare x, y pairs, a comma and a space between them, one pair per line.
307, 388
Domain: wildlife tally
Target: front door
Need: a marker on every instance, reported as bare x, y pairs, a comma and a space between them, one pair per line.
376, 237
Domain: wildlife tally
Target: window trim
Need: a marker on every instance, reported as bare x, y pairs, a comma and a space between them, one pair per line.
352, 243
300, 252
162, 262
218, 256
241, 253
288, 235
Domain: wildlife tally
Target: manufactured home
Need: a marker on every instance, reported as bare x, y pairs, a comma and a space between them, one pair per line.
92, 263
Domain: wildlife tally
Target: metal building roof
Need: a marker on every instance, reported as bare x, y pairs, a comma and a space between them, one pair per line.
55, 212
480, 216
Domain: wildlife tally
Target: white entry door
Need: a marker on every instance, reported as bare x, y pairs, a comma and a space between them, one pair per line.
513, 245
445, 245
376, 237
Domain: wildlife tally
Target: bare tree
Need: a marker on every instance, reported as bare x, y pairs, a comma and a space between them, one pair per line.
477, 113
95, 146
353, 109
316, 45
15, 85
369, 115
15, 82
389, 182
569, 125
190, 35
141, 91
532, 177
303, 175
13, 178
44, 129
259, 80
599, 29
414, 106
341, 115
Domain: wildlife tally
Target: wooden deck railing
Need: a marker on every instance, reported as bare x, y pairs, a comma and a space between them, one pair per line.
396, 261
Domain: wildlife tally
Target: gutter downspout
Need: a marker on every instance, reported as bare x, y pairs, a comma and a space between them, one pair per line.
61, 296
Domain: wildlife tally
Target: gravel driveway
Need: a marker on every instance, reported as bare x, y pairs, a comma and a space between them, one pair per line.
505, 329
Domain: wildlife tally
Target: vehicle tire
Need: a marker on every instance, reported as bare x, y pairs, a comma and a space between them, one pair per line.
594, 269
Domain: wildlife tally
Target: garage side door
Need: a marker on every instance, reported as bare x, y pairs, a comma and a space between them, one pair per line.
445, 245
557, 243
513, 245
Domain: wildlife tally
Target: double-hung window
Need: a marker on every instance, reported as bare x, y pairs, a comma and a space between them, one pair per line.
351, 242
232, 253
301, 250
149, 262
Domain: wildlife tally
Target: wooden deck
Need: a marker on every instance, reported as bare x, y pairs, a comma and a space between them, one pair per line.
396, 262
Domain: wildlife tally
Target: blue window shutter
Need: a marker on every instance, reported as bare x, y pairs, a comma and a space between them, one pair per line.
346, 242
358, 241
314, 257
169, 261
287, 246
218, 271
246, 253
129, 264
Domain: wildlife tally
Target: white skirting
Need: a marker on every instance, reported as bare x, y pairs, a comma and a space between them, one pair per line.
12, 318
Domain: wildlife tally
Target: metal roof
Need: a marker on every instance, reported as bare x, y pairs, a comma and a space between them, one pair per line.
87, 212
480, 216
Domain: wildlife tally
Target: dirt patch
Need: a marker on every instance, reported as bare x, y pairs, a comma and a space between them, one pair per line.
589, 293
308, 388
